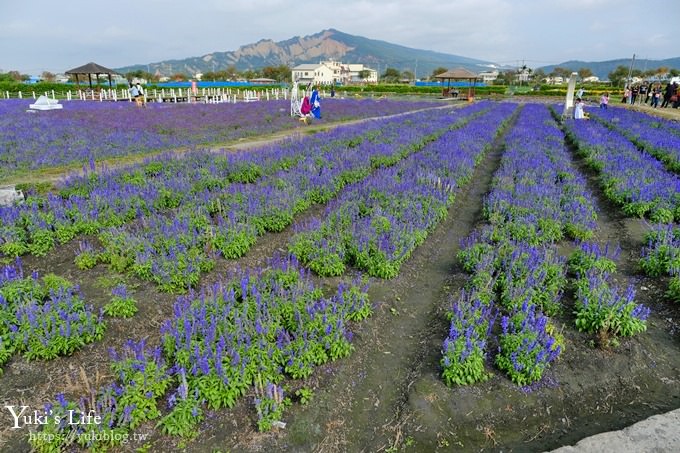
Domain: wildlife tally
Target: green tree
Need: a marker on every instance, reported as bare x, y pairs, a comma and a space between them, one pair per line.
281, 73
140, 74
506, 77
391, 75
539, 75
407, 75
47, 76
250, 74
618, 76
584, 72
17, 76
561, 72
210, 76
438, 71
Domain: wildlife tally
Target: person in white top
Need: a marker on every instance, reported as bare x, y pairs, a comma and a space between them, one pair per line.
578, 110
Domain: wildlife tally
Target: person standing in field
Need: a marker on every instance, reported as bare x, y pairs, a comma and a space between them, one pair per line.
579, 114
315, 101
656, 94
134, 93
626, 95
668, 92
634, 94
140, 95
604, 101
643, 93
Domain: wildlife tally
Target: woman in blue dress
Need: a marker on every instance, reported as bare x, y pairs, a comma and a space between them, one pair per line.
316, 104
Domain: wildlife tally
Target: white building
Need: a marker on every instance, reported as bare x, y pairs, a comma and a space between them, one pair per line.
357, 70
488, 76
557, 80
523, 75
340, 71
332, 72
591, 79
313, 73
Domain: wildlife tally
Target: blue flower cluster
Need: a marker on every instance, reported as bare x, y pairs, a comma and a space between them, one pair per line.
246, 332
601, 307
464, 350
43, 318
661, 256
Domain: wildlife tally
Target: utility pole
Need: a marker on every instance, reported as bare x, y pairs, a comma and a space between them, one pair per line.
630, 71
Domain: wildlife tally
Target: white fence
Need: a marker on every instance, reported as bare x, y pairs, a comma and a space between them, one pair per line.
201, 95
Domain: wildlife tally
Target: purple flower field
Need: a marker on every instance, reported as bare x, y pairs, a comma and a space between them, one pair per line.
338, 224
93, 131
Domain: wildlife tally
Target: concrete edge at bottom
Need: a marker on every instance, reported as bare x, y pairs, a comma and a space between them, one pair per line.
658, 433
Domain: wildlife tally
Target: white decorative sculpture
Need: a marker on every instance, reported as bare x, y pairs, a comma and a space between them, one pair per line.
45, 103
569, 101
9, 195
295, 101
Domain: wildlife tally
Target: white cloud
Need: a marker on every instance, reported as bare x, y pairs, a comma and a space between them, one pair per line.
60, 35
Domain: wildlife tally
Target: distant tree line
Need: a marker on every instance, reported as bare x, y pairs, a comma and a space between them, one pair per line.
282, 73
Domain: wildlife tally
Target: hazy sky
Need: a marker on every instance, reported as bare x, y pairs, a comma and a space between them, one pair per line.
49, 35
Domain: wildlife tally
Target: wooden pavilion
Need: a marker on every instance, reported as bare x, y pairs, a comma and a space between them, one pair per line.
459, 74
89, 69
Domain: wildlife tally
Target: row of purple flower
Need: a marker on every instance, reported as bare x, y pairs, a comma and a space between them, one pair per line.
517, 273
241, 336
657, 136
85, 131
174, 251
631, 178
215, 207
244, 334
377, 223
622, 147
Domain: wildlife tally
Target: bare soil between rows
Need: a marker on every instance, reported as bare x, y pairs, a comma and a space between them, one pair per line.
388, 394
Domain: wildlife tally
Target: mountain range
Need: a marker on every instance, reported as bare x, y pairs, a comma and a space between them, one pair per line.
332, 44
603, 68
325, 45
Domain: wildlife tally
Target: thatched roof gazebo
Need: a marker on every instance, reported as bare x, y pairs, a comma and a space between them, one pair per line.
89, 69
457, 75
